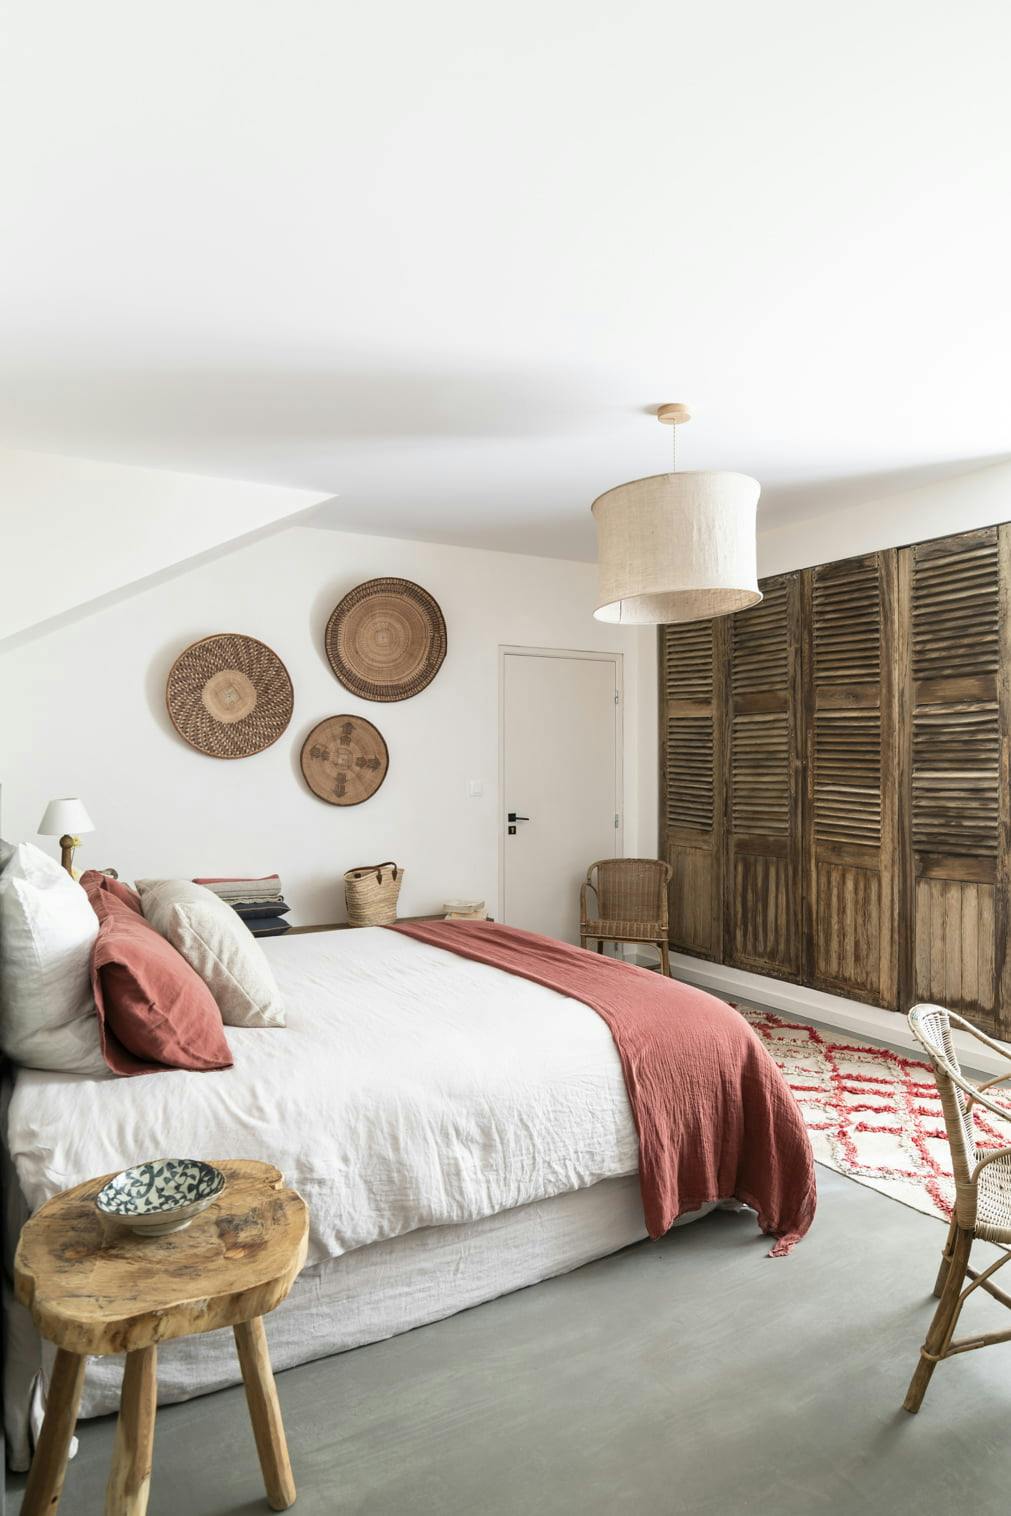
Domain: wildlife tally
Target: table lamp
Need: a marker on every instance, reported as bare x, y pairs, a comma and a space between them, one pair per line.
66, 819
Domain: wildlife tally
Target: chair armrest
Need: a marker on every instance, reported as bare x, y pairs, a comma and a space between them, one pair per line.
584, 889
974, 1031
991, 1157
989, 1083
976, 1097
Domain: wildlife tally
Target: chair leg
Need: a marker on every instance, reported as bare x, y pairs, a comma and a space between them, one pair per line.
664, 958
600, 944
265, 1413
942, 1272
943, 1323
49, 1465
130, 1476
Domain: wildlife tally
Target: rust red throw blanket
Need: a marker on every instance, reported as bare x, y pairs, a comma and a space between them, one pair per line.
714, 1115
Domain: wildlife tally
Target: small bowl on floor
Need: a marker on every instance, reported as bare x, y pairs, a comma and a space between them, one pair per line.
161, 1196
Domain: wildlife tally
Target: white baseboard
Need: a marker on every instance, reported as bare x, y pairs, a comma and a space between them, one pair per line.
829, 1010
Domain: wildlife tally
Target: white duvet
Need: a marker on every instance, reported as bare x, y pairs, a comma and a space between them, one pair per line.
411, 1088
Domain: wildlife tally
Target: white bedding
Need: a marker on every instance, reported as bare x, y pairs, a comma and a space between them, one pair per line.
411, 1088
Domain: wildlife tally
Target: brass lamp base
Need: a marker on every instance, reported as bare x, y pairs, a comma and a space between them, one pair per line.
68, 846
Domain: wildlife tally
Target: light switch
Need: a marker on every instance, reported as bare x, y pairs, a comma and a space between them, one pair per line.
475, 788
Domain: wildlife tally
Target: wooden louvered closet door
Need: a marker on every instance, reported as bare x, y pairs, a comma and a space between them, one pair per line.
691, 810
955, 697
762, 760
850, 789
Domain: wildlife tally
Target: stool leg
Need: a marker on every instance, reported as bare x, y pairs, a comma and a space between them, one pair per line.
265, 1413
49, 1465
130, 1475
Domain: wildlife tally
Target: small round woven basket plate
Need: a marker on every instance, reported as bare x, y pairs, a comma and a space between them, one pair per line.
344, 760
229, 696
386, 639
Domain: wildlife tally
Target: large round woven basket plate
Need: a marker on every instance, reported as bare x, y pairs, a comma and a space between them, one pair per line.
229, 696
344, 760
386, 639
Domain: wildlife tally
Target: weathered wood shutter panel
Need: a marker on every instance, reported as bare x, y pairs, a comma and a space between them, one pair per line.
837, 778
691, 791
850, 790
955, 593
762, 896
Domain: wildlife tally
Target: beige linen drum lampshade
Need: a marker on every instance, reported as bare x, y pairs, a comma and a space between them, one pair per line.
66, 818
677, 547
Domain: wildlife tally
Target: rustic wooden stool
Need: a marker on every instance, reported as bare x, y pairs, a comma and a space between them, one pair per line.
93, 1286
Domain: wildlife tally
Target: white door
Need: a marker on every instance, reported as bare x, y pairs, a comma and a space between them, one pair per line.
561, 779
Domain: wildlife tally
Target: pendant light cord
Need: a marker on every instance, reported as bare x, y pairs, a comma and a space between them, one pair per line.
674, 449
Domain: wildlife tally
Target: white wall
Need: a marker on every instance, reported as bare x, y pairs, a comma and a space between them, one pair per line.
82, 712
73, 530
981, 498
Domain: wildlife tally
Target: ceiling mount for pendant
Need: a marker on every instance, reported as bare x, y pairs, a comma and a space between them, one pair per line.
677, 547
673, 414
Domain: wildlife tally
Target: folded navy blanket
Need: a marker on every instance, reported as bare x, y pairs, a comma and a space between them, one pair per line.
251, 910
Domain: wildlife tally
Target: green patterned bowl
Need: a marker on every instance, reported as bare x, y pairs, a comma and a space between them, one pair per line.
160, 1196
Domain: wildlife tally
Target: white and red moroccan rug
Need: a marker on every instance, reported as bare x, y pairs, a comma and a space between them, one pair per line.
873, 1114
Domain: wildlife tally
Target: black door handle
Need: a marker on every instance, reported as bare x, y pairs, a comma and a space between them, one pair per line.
512, 816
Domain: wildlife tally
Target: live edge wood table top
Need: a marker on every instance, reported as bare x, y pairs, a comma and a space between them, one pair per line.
95, 1287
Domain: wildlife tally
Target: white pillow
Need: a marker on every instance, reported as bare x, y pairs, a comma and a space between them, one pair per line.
218, 945
47, 931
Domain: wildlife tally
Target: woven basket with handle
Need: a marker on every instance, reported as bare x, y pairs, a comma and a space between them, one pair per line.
371, 894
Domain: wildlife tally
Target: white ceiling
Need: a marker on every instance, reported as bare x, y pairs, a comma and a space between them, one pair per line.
440, 259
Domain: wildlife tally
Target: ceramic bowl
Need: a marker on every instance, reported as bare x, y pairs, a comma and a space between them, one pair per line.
161, 1196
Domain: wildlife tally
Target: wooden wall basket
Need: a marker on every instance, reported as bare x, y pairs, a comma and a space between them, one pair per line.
229, 696
386, 639
344, 760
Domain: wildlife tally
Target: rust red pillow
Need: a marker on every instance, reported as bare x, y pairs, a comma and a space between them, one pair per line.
92, 880
154, 1012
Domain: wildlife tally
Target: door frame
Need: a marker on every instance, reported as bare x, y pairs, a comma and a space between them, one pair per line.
507, 650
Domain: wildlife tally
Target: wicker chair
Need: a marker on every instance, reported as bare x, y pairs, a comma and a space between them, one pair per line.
982, 1195
631, 904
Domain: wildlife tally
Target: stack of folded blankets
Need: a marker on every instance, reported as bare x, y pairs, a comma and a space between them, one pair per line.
259, 902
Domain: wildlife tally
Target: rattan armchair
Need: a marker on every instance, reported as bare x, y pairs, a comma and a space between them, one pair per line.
982, 1194
631, 904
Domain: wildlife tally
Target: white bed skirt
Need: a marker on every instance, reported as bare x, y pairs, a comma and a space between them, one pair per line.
364, 1296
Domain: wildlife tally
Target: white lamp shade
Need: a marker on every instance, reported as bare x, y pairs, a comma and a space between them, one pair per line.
677, 547
66, 817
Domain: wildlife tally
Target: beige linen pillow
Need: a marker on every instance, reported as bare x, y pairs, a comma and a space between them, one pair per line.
218, 945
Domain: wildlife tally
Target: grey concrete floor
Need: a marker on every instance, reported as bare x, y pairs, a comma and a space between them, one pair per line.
694, 1375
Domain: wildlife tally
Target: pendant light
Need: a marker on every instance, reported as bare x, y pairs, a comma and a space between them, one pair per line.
676, 547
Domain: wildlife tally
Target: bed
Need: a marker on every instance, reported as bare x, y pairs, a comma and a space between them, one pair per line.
457, 1132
